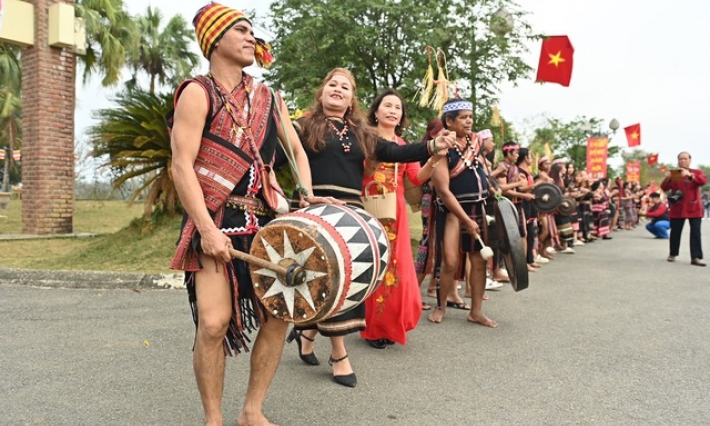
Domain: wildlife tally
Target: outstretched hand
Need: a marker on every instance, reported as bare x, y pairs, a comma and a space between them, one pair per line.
307, 201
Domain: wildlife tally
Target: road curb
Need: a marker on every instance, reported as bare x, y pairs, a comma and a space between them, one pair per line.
91, 279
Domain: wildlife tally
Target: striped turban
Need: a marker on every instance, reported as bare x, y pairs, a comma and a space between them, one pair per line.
212, 22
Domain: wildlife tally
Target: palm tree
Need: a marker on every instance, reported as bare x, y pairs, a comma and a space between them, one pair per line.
164, 54
10, 106
109, 29
134, 137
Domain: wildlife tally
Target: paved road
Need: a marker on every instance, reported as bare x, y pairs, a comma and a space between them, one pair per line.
613, 335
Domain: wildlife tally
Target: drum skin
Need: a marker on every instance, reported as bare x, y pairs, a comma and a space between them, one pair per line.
510, 243
344, 251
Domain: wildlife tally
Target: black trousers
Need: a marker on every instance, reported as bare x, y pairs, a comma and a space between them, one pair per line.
696, 251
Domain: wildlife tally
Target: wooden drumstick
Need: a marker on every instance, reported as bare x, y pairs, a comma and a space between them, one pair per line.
294, 276
486, 252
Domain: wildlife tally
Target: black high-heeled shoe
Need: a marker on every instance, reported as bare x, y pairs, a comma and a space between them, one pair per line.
349, 380
377, 343
310, 358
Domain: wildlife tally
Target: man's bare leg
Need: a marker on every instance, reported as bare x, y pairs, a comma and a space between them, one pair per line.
214, 313
449, 263
265, 358
478, 284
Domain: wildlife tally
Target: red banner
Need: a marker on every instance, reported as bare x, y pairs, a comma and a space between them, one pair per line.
633, 171
652, 159
597, 153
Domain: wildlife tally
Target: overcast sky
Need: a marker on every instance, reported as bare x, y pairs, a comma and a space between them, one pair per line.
637, 61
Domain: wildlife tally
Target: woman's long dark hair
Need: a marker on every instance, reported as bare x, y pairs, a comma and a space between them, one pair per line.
372, 119
314, 125
556, 173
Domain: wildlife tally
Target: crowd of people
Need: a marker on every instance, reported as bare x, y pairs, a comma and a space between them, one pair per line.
225, 131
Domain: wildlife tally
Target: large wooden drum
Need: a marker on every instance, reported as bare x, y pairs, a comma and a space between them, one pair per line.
344, 252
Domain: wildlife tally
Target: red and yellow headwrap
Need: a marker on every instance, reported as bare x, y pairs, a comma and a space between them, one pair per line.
214, 20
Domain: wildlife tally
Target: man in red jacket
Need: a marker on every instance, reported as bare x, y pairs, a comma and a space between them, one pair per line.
682, 188
658, 213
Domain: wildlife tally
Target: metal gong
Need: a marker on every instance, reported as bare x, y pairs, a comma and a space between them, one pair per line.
510, 243
548, 197
567, 207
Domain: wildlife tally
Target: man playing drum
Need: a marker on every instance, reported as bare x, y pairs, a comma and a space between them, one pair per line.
224, 131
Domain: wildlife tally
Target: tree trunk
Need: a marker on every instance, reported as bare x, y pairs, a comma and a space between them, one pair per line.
8, 156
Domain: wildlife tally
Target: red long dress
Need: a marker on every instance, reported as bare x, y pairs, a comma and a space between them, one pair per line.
395, 307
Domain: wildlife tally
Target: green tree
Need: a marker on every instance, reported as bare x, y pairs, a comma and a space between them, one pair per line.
568, 139
110, 29
648, 173
163, 53
384, 44
135, 139
10, 108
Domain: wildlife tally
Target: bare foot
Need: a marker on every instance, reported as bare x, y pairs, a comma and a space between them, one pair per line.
431, 294
253, 420
532, 268
485, 297
483, 320
437, 316
501, 278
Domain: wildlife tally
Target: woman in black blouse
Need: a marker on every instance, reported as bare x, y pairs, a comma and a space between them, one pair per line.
342, 148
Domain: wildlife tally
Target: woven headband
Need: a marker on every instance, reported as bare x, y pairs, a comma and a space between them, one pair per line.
485, 134
511, 148
457, 106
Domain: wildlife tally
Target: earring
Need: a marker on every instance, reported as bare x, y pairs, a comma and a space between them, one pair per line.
375, 119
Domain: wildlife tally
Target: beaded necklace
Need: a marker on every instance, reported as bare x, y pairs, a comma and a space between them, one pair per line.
468, 163
343, 136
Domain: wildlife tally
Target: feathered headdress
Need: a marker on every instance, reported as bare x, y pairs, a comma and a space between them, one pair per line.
262, 53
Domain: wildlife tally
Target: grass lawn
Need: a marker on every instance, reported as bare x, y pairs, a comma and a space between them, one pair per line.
120, 244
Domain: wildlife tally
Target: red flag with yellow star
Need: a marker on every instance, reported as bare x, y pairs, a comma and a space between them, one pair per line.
556, 61
652, 159
633, 135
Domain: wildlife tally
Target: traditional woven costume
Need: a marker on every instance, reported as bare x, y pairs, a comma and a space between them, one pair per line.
239, 126
468, 182
600, 212
512, 174
564, 225
337, 170
395, 307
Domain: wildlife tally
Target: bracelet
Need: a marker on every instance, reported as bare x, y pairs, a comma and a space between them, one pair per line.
302, 190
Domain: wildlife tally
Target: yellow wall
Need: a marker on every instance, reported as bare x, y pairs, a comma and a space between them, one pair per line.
18, 23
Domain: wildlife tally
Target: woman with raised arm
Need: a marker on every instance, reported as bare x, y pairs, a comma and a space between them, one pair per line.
342, 149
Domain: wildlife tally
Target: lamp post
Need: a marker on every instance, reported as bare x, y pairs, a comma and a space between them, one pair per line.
614, 125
